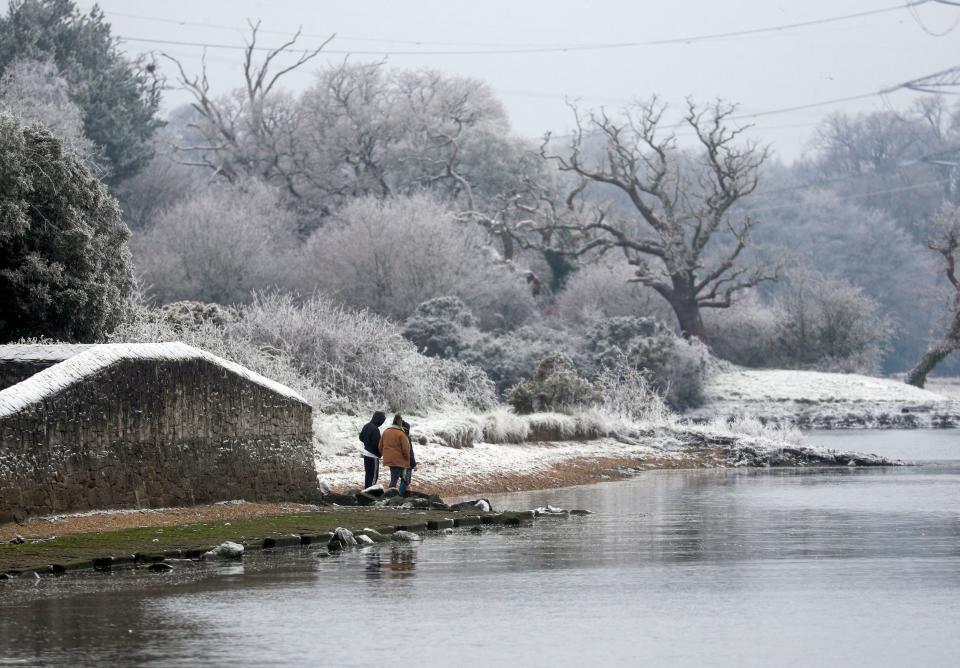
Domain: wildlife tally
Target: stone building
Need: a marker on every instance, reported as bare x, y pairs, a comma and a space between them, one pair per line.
145, 425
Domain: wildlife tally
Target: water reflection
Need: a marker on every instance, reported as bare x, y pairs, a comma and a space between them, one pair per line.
725, 567
396, 562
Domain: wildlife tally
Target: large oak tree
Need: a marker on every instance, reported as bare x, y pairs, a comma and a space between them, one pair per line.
681, 232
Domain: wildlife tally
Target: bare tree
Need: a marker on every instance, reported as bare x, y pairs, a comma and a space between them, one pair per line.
248, 133
945, 241
684, 241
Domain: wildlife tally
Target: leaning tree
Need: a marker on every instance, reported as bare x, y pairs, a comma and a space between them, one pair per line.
944, 241
680, 232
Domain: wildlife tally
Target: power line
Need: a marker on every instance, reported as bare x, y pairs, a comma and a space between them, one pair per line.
540, 49
923, 26
885, 191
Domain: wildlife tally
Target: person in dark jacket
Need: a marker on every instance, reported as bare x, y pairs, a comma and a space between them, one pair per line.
370, 437
408, 472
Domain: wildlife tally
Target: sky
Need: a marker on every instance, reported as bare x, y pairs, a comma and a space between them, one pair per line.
771, 71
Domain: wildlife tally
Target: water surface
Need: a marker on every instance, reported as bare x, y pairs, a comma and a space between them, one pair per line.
691, 568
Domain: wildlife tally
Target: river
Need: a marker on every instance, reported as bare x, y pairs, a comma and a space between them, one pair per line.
689, 568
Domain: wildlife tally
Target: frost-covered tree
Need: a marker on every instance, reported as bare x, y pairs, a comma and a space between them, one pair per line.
219, 245
829, 324
35, 92
358, 130
65, 271
391, 255
602, 290
818, 229
683, 235
118, 97
896, 162
249, 132
945, 241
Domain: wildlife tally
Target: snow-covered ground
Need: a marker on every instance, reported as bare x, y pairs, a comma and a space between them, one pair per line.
592, 447
824, 400
751, 385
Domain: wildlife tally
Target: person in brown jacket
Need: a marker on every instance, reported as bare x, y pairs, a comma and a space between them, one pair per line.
395, 449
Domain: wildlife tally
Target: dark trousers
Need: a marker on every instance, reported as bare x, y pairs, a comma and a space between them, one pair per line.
405, 480
396, 473
371, 471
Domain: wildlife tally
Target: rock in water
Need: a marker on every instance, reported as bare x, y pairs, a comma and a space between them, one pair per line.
364, 540
483, 505
17, 540
372, 534
227, 550
448, 531
581, 512
160, 568
550, 510
342, 538
404, 536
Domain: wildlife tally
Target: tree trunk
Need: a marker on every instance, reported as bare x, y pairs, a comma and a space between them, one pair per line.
683, 300
688, 316
936, 354
930, 359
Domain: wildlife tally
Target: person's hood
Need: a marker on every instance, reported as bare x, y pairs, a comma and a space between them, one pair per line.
379, 418
393, 426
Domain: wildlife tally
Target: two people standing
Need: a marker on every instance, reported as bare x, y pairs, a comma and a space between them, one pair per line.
393, 445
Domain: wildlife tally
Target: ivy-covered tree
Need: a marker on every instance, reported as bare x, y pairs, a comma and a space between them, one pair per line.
65, 271
117, 97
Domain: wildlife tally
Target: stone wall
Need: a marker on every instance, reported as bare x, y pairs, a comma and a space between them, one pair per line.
19, 362
142, 432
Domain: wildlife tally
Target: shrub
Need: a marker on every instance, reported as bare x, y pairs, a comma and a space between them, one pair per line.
627, 393
440, 327
508, 358
676, 368
360, 355
503, 426
343, 359
65, 271
192, 314
152, 326
830, 325
555, 387
747, 333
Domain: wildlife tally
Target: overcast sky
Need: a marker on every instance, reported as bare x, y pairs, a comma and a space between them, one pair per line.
760, 72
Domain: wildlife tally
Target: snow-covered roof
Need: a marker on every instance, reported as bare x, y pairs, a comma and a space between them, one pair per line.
55, 352
95, 358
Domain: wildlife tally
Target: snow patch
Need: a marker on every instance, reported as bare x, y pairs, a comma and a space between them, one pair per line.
744, 385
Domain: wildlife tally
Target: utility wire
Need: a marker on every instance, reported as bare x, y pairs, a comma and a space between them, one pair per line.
543, 49
923, 26
885, 191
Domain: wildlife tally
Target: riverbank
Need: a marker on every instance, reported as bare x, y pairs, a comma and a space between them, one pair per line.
818, 400
161, 535
605, 451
